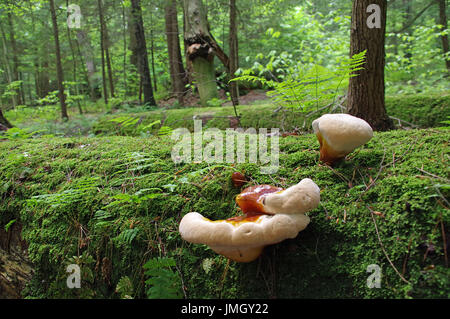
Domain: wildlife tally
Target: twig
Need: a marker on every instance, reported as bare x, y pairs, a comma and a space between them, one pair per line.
400, 120
382, 247
432, 175
182, 281
444, 239
224, 275
405, 262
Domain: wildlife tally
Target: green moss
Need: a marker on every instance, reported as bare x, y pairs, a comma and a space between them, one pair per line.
119, 201
424, 111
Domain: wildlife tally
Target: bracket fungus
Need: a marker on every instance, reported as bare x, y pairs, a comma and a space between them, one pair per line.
339, 134
271, 215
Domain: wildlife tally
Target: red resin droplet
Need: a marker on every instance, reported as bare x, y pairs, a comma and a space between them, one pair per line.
238, 179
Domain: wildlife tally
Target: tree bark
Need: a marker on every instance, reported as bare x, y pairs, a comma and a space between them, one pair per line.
124, 70
366, 91
15, 73
444, 37
102, 49
141, 52
177, 72
6, 63
104, 34
234, 53
4, 121
200, 49
59, 70
74, 62
152, 51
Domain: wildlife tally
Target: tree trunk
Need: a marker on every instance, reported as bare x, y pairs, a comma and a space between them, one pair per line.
4, 121
366, 91
102, 49
234, 55
444, 37
124, 70
106, 44
59, 70
407, 18
200, 49
141, 52
133, 43
15, 73
177, 72
6, 63
74, 61
88, 55
152, 51
108, 60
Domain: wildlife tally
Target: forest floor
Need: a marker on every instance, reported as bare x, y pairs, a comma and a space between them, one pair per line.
79, 189
192, 100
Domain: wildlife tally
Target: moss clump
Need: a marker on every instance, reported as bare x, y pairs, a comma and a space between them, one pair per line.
117, 201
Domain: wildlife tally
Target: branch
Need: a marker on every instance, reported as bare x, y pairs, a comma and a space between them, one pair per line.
410, 23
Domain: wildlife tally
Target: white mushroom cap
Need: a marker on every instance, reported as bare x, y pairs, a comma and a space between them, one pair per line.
241, 241
297, 199
339, 134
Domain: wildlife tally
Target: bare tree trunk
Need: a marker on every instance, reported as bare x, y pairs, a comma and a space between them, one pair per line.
74, 62
152, 51
6, 62
141, 52
124, 25
102, 48
15, 73
106, 45
444, 37
59, 70
177, 72
234, 53
366, 91
4, 121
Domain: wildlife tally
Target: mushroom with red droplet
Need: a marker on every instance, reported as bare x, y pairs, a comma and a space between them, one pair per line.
339, 134
271, 215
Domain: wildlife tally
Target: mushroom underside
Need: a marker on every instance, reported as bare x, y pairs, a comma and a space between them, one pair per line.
241, 241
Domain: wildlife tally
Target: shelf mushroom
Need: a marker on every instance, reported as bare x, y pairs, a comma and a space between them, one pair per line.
339, 134
271, 215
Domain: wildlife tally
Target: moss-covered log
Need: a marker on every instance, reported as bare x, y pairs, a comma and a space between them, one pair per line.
117, 202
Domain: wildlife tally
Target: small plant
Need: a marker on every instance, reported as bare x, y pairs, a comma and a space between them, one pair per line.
215, 102
299, 87
17, 133
125, 288
162, 282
